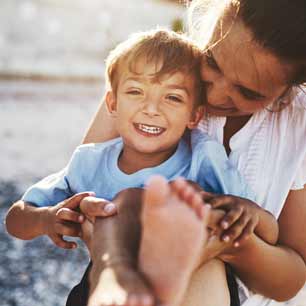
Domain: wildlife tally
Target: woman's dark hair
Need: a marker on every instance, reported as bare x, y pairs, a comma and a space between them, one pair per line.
278, 25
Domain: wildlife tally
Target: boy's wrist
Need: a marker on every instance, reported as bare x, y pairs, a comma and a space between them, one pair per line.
45, 217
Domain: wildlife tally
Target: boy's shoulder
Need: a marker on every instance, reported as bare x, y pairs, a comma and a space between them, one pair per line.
98, 148
203, 142
91, 154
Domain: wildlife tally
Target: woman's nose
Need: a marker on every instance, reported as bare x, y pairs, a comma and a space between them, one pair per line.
218, 92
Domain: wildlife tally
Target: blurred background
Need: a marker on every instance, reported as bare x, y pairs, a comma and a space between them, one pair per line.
51, 81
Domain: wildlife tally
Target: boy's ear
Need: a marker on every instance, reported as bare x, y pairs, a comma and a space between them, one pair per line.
196, 116
111, 103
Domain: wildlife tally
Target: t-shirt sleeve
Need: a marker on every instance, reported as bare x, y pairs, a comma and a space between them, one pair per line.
300, 179
214, 171
55, 187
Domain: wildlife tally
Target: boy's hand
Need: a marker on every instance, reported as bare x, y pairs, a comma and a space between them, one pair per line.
240, 220
64, 219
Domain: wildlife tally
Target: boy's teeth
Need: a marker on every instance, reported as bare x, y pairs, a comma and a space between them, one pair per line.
149, 129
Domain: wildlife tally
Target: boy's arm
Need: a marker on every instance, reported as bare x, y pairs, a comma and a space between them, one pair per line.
26, 221
217, 175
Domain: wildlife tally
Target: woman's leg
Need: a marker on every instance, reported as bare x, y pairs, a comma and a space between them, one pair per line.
114, 277
208, 286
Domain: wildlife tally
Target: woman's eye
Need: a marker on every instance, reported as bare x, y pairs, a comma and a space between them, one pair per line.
249, 94
211, 61
175, 98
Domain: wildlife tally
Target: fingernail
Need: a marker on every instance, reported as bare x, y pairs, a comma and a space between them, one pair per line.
236, 244
225, 224
91, 193
109, 208
81, 218
226, 238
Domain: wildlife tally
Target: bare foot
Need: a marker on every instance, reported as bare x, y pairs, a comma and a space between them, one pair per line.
174, 233
119, 285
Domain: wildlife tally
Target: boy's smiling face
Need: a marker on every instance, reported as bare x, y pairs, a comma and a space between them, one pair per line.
152, 114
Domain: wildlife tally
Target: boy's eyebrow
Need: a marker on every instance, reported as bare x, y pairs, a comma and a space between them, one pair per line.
180, 87
170, 86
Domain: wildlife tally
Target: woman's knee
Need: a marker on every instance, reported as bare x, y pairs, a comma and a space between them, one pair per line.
208, 286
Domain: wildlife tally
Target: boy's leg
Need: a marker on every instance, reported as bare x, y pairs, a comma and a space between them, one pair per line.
114, 277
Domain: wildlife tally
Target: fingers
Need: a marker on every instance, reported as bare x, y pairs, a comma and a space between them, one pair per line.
67, 214
216, 215
240, 230
207, 196
64, 244
231, 217
246, 233
75, 200
222, 201
95, 207
67, 229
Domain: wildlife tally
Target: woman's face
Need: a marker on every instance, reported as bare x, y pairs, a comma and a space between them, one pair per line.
241, 77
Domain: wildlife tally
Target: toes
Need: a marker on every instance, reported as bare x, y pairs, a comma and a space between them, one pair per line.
157, 191
140, 300
197, 204
179, 185
189, 195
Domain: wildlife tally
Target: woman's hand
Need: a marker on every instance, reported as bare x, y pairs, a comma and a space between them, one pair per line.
242, 218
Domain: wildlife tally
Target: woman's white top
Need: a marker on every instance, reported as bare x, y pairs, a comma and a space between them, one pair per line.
270, 152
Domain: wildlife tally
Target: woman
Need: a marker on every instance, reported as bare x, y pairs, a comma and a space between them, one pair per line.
253, 65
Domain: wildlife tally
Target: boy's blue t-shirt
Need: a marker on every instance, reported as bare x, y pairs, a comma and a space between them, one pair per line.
94, 167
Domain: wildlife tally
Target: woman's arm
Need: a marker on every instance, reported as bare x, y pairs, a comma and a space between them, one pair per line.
277, 272
102, 127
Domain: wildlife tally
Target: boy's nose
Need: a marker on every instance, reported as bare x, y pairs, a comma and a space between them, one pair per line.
150, 108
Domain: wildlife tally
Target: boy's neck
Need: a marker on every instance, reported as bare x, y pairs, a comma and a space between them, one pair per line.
131, 161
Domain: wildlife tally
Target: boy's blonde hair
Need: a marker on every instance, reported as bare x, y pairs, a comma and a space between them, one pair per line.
176, 52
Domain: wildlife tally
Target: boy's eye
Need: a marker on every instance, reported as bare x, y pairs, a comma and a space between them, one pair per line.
249, 94
133, 92
175, 98
211, 61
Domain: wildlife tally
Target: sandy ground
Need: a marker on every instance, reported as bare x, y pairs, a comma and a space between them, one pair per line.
42, 122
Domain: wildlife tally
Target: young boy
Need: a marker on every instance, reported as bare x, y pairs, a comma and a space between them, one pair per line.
154, 94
